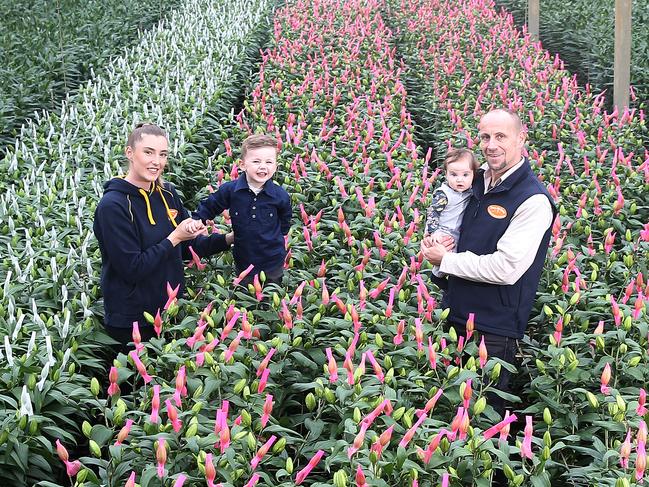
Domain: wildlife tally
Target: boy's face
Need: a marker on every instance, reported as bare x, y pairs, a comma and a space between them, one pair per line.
459, 174
259, 165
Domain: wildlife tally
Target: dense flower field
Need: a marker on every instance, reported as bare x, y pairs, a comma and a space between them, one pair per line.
345, 375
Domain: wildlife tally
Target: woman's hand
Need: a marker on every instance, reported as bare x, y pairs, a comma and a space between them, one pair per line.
188, 229
229, 238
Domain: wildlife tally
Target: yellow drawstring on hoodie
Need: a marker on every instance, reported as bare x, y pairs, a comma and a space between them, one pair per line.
148, 206
171, 217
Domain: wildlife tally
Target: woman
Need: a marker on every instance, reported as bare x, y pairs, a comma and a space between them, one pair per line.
144, 232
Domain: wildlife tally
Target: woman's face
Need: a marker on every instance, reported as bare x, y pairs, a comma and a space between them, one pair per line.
147, 160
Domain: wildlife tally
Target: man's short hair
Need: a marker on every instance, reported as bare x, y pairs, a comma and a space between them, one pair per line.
514, 116
256, 141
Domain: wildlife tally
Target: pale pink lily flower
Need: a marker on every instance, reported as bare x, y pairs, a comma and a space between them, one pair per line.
470, 326
180, 481
432, 356
71, 467
605, 379
161, 457
181, 389
360, 477
123, 433
482, 352
382, 441
332, 366
358, 441
625, 450
172, 295
131, 480
430, 404
210, 471
526, 446
302, 474
137, 337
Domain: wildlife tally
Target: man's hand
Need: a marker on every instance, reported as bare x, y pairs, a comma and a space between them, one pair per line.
433, 249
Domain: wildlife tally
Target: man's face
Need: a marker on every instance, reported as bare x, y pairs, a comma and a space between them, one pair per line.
501, 141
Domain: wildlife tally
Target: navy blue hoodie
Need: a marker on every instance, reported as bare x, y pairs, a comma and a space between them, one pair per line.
138, 260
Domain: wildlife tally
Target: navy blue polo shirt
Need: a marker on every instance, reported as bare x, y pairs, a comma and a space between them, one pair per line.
259, 221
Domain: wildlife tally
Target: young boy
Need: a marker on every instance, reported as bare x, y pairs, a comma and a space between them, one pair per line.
260, 210
451, 198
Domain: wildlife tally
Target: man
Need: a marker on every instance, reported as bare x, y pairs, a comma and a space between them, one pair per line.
502, 246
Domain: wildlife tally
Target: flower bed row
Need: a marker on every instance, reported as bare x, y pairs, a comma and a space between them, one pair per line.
585, 40
73, 39
51, 181
591, 316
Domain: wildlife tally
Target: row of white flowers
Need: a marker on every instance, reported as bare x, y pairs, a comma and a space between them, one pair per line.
52, 179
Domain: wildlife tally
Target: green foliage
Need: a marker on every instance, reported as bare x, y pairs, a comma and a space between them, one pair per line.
48, 48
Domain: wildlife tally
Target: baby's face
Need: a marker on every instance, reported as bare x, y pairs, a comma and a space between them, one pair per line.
459, 174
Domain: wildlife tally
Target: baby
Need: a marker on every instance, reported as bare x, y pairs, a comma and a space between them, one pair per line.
451, 198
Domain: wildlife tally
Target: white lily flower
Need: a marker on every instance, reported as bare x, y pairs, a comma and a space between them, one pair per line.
9, 352
44, 374
26, 403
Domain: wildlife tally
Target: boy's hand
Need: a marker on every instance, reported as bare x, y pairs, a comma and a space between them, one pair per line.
229, 238
193, 226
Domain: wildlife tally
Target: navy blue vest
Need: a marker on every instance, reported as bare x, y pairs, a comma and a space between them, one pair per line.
499, 309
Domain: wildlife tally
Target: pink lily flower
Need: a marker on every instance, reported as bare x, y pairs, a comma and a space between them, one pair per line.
263, 381
411, 432
302, 474
161, 457
625, 450
71, 468
181, 389
155, 405
264, 363
131, 480
243, 275
196, 260
172, 413
140, 367
253, 480
180, 481
482, 353
378, 372
210, 471
172, 295
360, 477
113, 388
605, 379
123, 433
497, 428
268, 408
137, 338
262, 452
332, 366
157, 323
358, 441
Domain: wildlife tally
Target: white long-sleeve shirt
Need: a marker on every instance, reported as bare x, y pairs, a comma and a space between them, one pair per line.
516, 249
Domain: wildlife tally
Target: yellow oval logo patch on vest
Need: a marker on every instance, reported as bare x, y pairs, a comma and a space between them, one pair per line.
497, 211
173, 213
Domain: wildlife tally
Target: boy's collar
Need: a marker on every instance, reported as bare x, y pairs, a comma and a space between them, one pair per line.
242, 183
